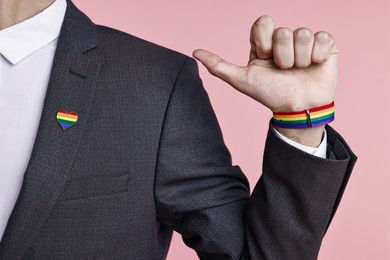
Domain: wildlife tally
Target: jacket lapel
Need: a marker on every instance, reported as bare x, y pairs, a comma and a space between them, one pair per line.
71, 87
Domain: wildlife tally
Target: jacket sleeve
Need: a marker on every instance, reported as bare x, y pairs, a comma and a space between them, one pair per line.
201, 195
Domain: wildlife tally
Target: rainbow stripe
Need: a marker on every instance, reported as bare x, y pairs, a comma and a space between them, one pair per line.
66, 119
306, 118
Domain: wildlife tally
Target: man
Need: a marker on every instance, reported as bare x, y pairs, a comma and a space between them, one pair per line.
110, 143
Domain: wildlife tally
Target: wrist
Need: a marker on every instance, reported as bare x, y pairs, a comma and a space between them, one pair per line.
305, 127
307, 118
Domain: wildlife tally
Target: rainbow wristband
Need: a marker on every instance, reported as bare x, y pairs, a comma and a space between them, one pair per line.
306, 118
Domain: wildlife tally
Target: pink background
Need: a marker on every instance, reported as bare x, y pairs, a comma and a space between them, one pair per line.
361, 228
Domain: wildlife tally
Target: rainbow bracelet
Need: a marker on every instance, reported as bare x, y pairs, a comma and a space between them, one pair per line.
306, 118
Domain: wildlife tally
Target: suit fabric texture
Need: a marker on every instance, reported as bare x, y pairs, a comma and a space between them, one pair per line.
147, 157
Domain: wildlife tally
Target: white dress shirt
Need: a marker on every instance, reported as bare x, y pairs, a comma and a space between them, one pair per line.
27, 53
319, 151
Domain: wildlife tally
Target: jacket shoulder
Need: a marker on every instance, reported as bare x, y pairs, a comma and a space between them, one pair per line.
124, 47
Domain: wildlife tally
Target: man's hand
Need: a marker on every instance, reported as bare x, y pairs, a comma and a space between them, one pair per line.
287, 71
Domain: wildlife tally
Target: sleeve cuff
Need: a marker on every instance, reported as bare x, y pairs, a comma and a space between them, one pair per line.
320, 151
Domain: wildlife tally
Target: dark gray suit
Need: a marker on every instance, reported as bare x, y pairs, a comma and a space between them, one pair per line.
146, 157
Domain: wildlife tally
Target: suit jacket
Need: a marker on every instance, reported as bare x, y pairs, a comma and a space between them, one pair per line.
147, 157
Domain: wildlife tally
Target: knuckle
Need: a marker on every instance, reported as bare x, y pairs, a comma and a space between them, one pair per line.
264, 21
283, 34
318, 59
324, 37
264, 54
303, 64
219, 66
284, 64
303, 35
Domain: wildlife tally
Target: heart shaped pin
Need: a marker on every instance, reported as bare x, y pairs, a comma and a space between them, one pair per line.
66, 119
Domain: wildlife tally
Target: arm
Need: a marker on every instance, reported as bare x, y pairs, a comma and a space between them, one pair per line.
296, 197
202, 196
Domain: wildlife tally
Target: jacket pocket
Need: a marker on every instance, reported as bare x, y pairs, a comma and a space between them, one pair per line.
93, 187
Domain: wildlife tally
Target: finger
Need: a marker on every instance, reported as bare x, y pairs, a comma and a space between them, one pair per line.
303, 47
228, 72
261, 37
283, 47
324, 46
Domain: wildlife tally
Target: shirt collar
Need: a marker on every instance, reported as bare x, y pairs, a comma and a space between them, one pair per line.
19, 41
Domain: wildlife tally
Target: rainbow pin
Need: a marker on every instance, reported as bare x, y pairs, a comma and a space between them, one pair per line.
66, 119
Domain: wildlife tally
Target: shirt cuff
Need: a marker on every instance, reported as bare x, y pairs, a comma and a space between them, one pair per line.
320, 151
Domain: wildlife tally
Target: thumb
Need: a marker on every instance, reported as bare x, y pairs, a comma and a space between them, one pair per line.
228, 72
